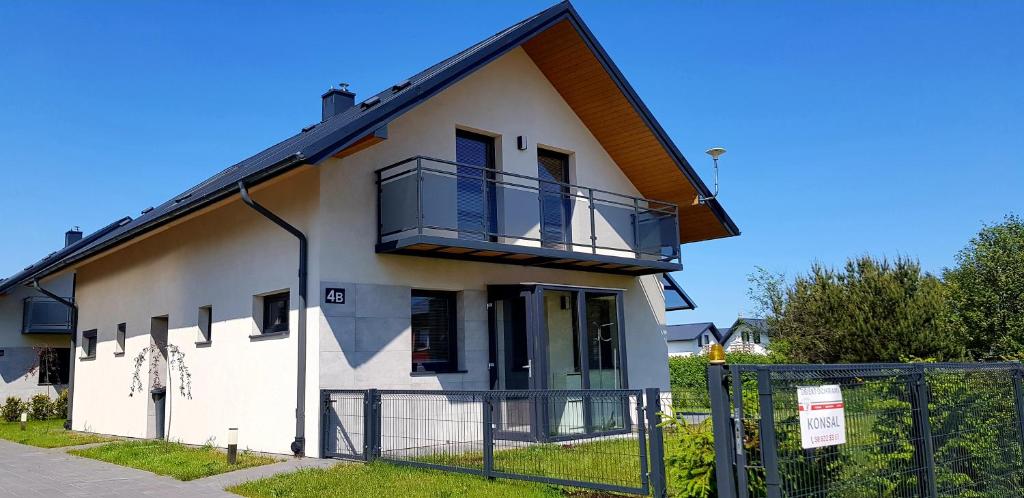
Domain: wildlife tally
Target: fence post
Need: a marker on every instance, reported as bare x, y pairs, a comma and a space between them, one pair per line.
488, 436
923, 420
769, 444
657, 447
325, 413
371, 423
742, 485
718, 395
1018, 393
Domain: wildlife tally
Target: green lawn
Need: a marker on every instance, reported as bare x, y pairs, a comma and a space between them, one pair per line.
179, 461
383, 479
45, 434
610, 461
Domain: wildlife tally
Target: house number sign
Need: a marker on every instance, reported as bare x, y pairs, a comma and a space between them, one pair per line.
335, 295
822, 419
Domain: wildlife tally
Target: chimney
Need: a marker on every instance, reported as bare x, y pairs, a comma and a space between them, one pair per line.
337, 101
72, 236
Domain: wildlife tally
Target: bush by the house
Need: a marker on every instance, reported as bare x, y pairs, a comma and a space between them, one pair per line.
40, 407
12, 408
60, 405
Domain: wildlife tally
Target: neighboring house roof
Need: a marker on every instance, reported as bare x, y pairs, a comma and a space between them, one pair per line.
759, 324
321, 141
42, 267
690, 331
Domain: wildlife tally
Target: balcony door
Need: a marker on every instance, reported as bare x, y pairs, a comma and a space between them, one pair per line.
555, 199
474, 154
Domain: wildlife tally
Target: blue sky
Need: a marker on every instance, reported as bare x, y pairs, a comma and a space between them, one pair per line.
886, 128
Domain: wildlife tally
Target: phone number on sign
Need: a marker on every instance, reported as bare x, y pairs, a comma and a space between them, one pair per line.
827, 438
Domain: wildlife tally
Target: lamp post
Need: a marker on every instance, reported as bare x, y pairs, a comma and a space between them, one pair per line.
24, 419
714, 152
232, 445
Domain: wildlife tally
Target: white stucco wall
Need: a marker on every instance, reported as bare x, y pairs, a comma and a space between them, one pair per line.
18, 373
508, 98
220, 259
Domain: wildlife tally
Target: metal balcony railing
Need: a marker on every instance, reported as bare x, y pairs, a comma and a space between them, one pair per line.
433, 197
42, 315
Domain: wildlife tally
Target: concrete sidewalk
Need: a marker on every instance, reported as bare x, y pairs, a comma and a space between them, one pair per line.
27, 471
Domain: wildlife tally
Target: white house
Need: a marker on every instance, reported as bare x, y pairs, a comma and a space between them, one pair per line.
497, 221
691, 338
748, 335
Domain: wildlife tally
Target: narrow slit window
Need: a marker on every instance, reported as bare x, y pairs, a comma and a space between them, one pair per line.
205, 324
122, 331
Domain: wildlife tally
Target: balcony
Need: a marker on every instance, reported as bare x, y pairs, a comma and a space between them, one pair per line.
438, 208
43, 315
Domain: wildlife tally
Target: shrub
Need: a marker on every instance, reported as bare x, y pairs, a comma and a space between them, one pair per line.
691, 372
39, 407
12, 409
59, 408
690, 459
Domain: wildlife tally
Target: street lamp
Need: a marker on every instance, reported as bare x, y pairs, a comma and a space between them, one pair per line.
714, 152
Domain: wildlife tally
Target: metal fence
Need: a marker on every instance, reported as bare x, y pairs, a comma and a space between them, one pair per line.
599, 439
911, 430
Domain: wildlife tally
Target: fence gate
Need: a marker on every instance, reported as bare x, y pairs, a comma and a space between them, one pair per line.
599, 439
910, 430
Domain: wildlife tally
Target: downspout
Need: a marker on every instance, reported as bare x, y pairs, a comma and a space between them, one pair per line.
74, 345
298, 445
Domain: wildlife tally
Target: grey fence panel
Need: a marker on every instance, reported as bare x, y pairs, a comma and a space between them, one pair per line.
912, 430
598, 439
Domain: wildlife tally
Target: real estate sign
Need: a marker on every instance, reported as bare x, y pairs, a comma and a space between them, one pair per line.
822, 420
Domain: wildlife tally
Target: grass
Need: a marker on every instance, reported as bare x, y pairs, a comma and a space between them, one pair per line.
611, 461
384, 479
177, 460
606, 461
46, 434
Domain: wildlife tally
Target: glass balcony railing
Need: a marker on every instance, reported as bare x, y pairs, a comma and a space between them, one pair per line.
440, 199
43, 315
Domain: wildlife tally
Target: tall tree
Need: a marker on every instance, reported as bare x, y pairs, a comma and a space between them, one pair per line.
986, 290
869, 311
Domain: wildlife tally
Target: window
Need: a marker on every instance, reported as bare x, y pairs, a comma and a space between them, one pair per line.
206, 323
746, 336
275, 313
700, 341
122, 330
89, 344
53, 366
757, 337
433, 332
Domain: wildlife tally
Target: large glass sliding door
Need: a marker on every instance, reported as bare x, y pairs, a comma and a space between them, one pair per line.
559, 338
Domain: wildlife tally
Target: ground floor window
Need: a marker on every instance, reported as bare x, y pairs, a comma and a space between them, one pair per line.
275, 313
433, 332
53, 366
89, 344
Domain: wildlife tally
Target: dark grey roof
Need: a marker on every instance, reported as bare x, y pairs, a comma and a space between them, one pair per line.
690, 331
755, 323
325, 139
42, 267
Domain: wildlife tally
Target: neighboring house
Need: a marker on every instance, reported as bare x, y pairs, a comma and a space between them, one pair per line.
35, 329
497, 221
748, 335
691, 338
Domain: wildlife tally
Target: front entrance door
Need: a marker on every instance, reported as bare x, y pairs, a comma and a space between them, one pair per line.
511, 364
557, 338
